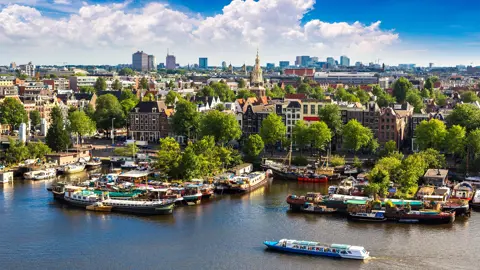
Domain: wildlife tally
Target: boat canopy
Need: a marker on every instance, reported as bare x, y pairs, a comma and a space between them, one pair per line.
361, 202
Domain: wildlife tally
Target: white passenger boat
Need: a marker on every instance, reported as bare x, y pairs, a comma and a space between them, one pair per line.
72, 168
318, 249
40, 174
81, 198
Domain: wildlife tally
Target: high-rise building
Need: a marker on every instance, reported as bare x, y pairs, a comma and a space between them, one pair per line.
358, 64
330, 62
171, 62
305, 60
344, 61
224, 65
152, 63
270, 66
430, 65
284, 64
203, 62
298, 61
140, 61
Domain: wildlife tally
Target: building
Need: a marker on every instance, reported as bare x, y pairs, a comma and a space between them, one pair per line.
284, 64
171, 62
58, 84
270, 66
292, 113
140, 61
152, 65
78, 81
34, 89
298, 61
149, 121
305, 60
256, 79
344, 61
224, 65
436, 177
203, 62
304, 72
5, 82
28, 69
348, 78
8, 91
330, 62
68, 157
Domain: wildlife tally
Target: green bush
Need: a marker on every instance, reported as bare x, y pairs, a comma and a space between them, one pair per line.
337, 160
300, 161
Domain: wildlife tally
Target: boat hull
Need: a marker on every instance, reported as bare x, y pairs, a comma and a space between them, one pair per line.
313, 179
77, 203
423, 219
376, 218
274, 246
160, 210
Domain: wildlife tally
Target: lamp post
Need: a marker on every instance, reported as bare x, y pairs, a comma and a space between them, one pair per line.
113, 138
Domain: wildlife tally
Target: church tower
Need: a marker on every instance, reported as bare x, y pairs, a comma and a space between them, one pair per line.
256, 79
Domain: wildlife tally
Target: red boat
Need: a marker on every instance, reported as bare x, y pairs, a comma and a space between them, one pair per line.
313, 178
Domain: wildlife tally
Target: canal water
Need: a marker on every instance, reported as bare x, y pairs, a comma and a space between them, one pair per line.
225, 233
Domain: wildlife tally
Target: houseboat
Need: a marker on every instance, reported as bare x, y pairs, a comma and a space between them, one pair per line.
424, 191
346, 186
71, 168
192, 194
174, 194
223, 182
248, 183
312, 177
463, 191
150, 207
81, 198
40, 174
207, 190
475, 202
405, 215
93, 163
365, 210
129, 165
372, 216
281, 171
318, 249
99, 207
310, 203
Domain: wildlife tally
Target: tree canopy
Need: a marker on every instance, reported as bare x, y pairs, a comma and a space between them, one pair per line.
320, 135
186, 119
100, 84
301, 134
117, 85
356, 136
57, 136
81, 124
107, 108
430, 134
330, 114
273, 129
171, 97
400, 89
221, 126
465, 115
12, 112
126, 72
35, 118
469, 97
253, 146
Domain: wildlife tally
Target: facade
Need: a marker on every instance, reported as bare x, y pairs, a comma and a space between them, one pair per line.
292, 113
348, 78
344, 61
171, 62
8, 91
371, 115
270, 66
58, 84
152, 65
203, 62
78, 81
140, 61
28, 69
253, 115
284, 64
391, 126
5, 82
149, 121
305, 72
34, 89
310, 109
330, 62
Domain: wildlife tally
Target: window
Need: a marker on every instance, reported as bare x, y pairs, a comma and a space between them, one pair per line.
305, 109
388, 120
312, 109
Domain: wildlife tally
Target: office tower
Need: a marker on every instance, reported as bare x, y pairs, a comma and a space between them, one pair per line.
203, 62
140, 61
152, 63
170, 62
344, 61
284, 64
305, 60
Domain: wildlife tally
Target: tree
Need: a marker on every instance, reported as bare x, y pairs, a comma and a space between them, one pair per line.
244, 93
89, 111
100, 84
304, 88
414, 98
128, 150
389, 148
220, 107
171, 97
356, 136
148, 97
126, 72
425, 93
273, 129
223, 127
440, 98
277, 92
318, 93
222, 91
379, 179
455, 140
473, 142
57, 137
469, 97
53, 76
12, 113
144, 83
81, 124
190, 164
108, 108
400, 89
320, 135
35, 118
207, 91
330, 114
117, 85
429, 84
465, 115
38, 150
186, 118
241, 84
128, 94
168, 157
87, 89
362, 96
385, 100
128, 105
289, 89
301, 135
430, 134
253, 146
16, 152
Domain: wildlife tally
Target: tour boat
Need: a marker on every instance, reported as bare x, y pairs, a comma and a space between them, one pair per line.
174, 194
40, 175
72, 168
475, 202
463, 190
81, 198
93, 163
374, 215
313, 178
250, 182
129, 165
318, 249
99, 207
150, 207
460, 207
192, 194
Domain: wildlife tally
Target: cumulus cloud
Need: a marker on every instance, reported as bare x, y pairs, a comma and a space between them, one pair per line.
109, 33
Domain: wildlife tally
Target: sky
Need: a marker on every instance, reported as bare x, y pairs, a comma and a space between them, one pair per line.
393, 32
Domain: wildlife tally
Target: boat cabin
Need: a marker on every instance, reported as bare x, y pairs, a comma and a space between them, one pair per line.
136, 177
436, 177
6, 177
68, 157
244, 168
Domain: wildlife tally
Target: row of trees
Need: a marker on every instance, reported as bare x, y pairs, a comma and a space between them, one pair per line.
18, 151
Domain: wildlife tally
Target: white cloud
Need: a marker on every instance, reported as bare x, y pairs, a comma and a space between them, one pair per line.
109, 33
62, 2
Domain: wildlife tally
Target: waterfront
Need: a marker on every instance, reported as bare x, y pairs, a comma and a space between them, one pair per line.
226, 233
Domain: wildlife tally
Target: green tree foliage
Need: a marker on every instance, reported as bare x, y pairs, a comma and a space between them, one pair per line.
171, 97
35, 118
117, 85
108, 108
241, 84
289, 89
465, 115
190, 164
429, 84
389, 149
253, 147
469, 97
168, 157
244, 93
128, 94
223, 127
128, 150
144, 83
207, 91
57, 136
38, 150
126, 72
186, 119
220, 107
362, 96
304, 88
222, 91
425, 93
128, 105
473, 142
330, 114
100, 84
16, 152
317, 93
301, 135
53, 76
400, 89
89, 111
379, 180
87, 89
455, 140
148, 97
440, 98
81, 124
277, 92
414, 98
430, 134
12, 112
320, 135
336, 160
273, 129
356, 136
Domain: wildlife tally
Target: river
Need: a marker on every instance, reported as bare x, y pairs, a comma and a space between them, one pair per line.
225, 233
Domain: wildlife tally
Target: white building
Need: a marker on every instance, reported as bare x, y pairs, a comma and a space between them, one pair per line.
78, 81
349, 78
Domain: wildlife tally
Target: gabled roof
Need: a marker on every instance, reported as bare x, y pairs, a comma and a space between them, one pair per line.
147, 106
300, 96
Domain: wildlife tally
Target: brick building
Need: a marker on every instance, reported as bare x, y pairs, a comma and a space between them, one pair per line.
149, 121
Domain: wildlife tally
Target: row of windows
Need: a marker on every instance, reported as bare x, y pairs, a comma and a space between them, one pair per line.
387, 127
148, 127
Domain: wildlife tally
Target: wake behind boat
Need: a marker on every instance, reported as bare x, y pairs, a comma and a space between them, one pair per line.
318, 249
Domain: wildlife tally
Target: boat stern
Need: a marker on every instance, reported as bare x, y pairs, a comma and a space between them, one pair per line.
270, 243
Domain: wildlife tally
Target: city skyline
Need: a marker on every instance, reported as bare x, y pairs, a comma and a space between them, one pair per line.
107, 32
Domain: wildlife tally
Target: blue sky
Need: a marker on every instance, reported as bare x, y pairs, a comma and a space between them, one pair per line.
421, 31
